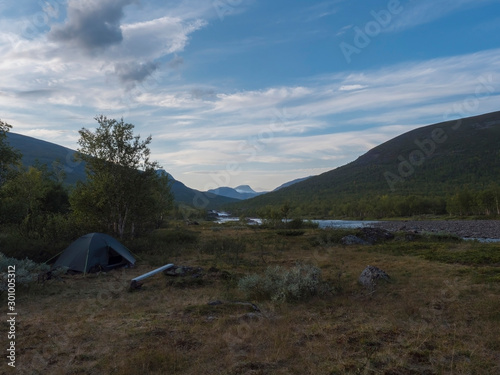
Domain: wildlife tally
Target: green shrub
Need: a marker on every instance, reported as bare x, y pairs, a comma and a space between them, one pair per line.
162, 240
298, 283
330, 237
14, 244
301, 224
176, 235
26, 271
290, 233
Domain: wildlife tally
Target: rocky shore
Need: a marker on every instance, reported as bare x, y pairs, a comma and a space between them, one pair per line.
462, 228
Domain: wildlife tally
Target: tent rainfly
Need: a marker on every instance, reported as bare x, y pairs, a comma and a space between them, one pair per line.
94, 251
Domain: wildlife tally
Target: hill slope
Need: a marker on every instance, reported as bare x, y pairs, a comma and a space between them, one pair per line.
290, 183
240, 192
48, 153
196, 198
62, 159
432, 161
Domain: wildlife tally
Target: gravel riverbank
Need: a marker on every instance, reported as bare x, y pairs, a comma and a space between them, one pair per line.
462, 228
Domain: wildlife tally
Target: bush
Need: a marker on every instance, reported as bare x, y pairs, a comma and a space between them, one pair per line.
14, 244
159, 246
330, 237
26, 270
176, 235
301, 224
290, 233
278, 284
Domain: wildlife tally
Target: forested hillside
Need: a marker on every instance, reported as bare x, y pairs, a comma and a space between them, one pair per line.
451, 167
57, 158
67, 169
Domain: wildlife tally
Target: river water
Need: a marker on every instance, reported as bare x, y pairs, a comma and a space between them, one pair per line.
336, 224
323, 224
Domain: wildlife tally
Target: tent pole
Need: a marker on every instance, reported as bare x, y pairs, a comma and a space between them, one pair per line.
53, 257
86, 262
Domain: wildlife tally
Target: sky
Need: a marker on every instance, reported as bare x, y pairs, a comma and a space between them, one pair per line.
256, 92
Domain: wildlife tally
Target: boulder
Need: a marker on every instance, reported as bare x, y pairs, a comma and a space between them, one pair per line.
371, 275
375, 235
353, 240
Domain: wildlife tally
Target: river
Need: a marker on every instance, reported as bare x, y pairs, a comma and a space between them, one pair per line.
420, 226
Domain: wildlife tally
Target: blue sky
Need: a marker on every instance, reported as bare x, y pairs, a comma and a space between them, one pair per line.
247, 91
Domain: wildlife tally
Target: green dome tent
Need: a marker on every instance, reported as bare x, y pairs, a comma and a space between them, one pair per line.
94, 251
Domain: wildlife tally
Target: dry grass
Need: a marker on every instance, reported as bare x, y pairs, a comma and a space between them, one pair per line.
434, 318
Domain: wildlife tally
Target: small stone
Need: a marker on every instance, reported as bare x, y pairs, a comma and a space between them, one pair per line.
369, 276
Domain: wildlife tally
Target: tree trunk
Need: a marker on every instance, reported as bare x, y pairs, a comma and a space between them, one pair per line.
122, 223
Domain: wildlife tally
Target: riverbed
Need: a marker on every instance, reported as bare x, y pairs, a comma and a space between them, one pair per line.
483, 230
467, 229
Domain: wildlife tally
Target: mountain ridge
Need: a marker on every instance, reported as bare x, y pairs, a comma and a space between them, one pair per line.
431, 161
34, 149
70, 171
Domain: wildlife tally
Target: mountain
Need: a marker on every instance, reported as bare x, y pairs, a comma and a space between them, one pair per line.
62, 159
244, 192
48, 153
241, 192
433, 161
245, 189
290, 183
196, 198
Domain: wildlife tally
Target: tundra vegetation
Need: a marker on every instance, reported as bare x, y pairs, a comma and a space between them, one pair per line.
262, 302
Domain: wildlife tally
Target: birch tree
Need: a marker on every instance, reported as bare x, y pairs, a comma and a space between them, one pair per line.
121, 179
9, 157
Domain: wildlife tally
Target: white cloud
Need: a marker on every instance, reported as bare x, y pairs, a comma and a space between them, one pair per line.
352, 87
315, 124
419, 12
156, 38
249, 100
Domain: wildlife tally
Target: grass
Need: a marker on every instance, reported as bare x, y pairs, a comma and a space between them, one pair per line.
439, 315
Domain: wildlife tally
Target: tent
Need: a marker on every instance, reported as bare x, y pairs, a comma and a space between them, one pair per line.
94, 251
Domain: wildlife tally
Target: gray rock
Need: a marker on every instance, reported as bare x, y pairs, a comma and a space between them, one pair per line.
375, 235
353, 240
370, 275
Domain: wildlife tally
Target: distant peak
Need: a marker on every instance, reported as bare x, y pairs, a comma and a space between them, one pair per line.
244, 189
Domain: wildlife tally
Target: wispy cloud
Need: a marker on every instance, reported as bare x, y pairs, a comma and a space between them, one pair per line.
352, 87
419, 12
300, 127
321, 10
